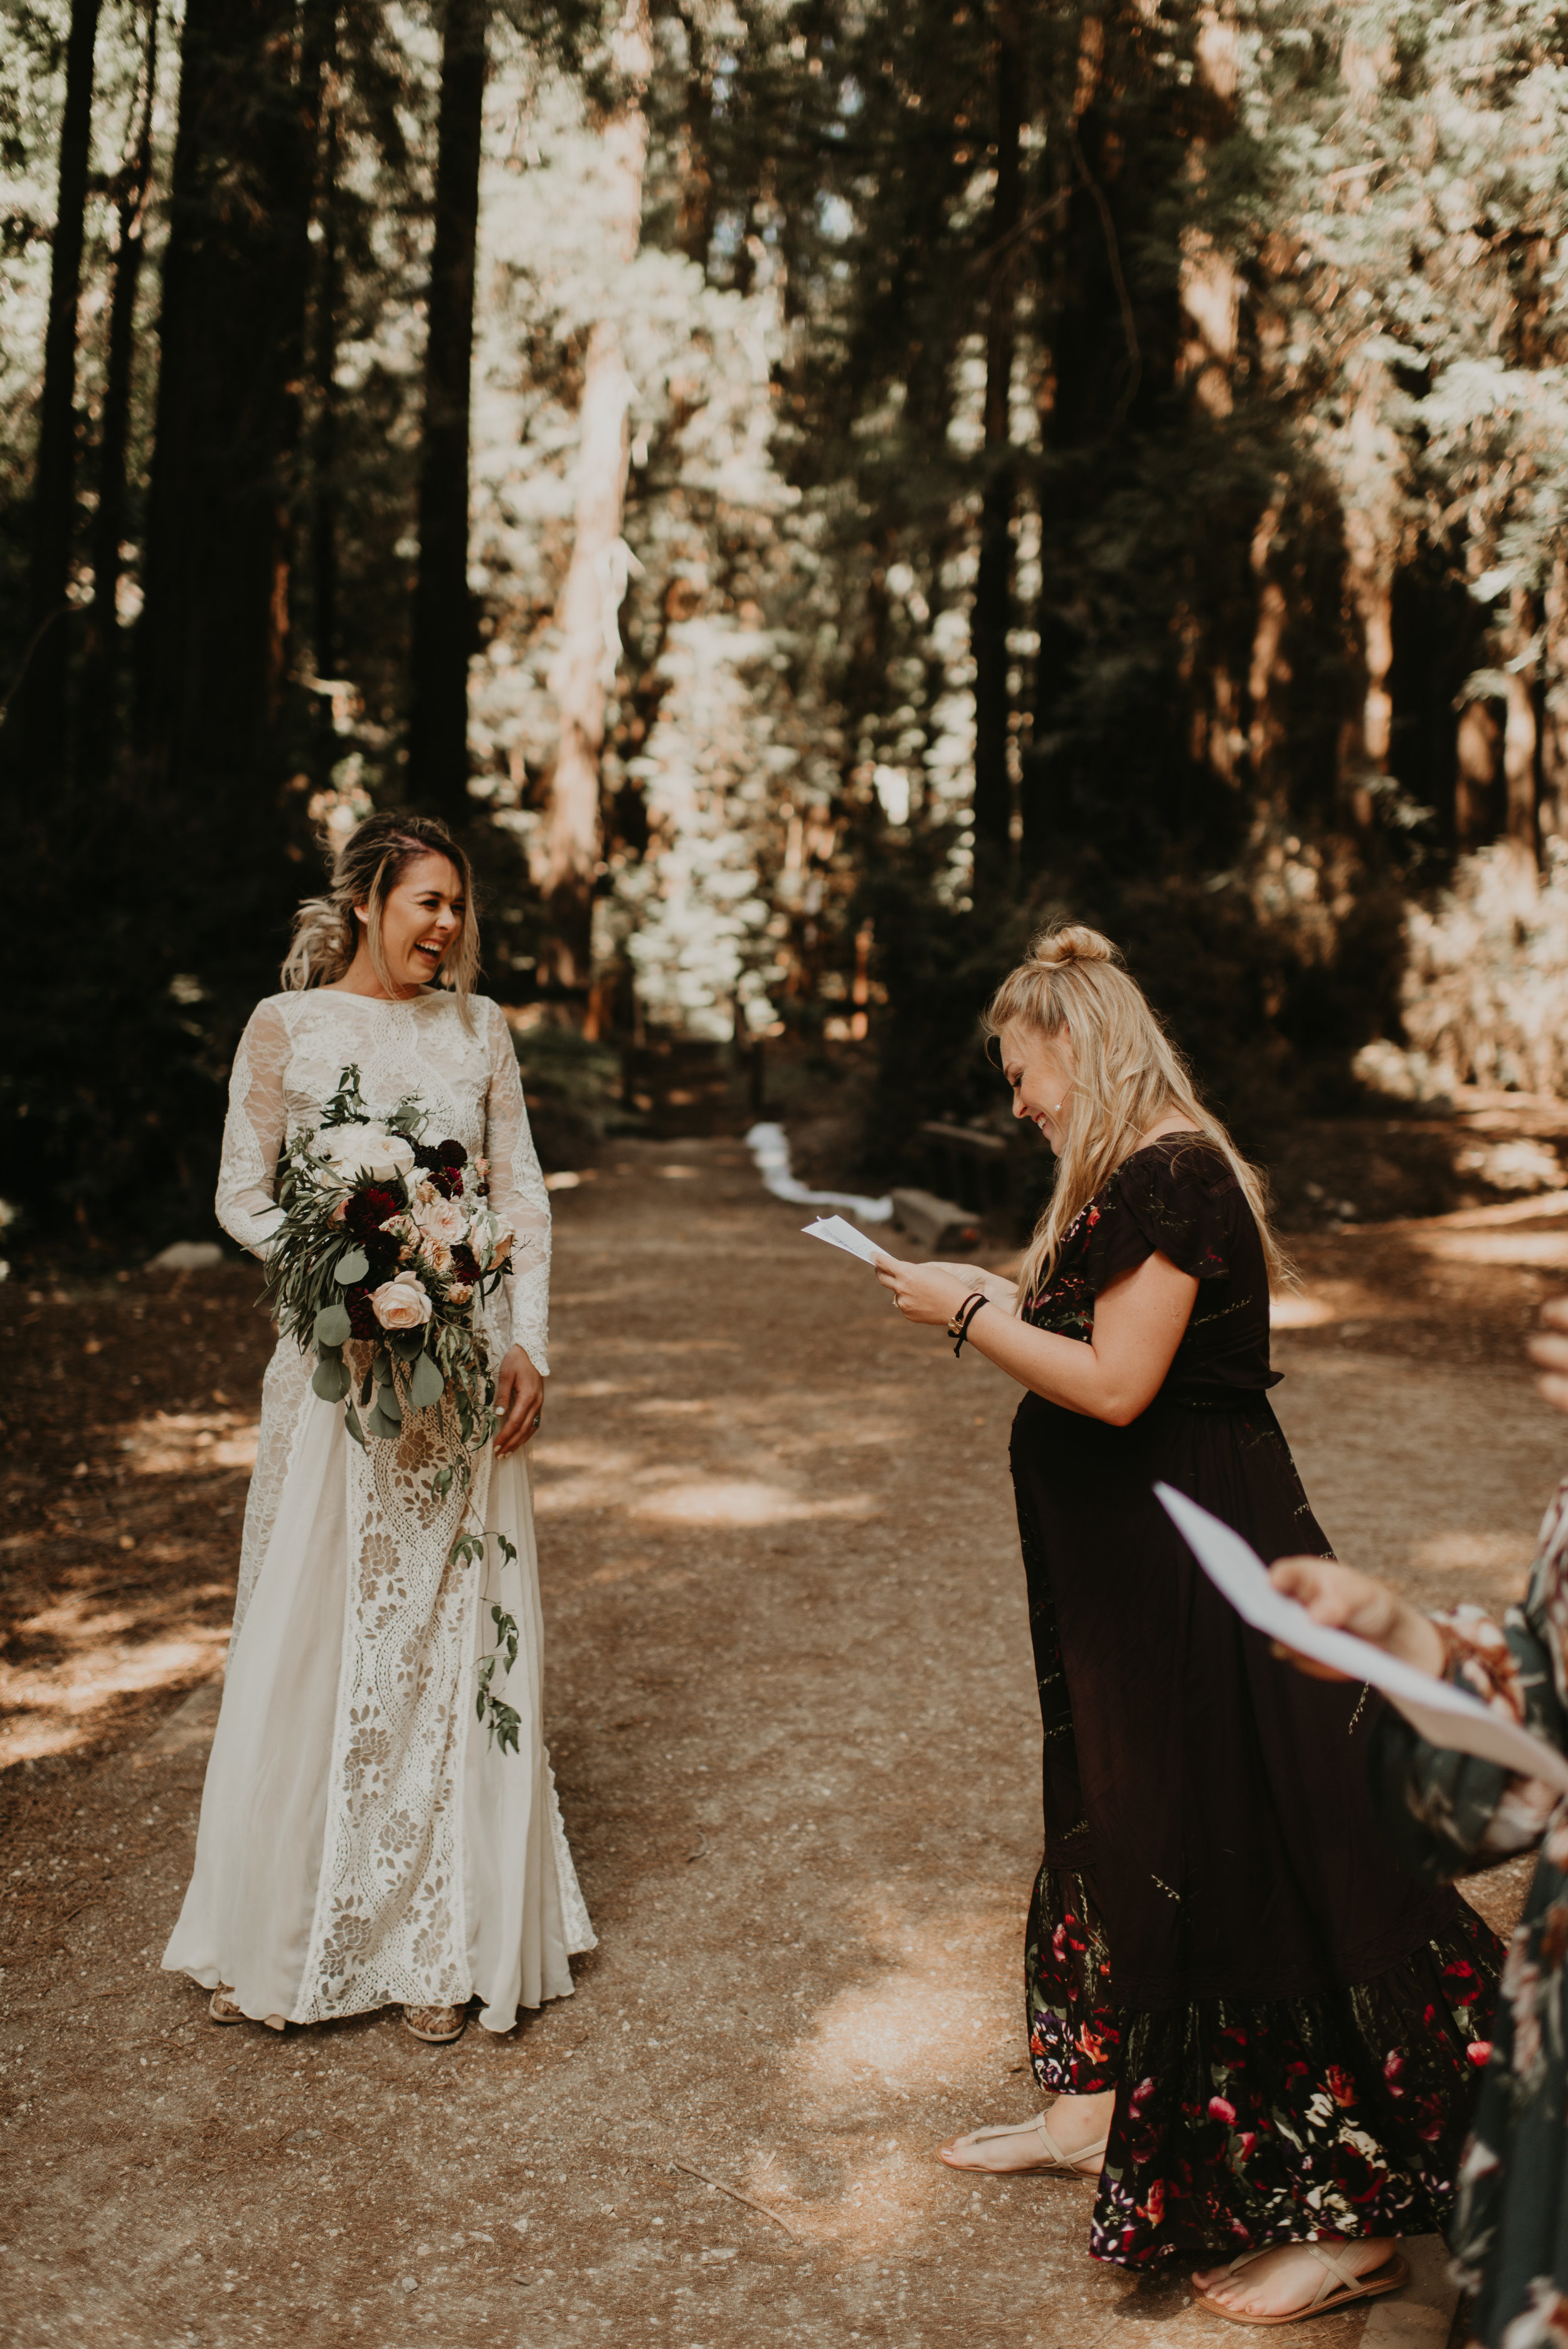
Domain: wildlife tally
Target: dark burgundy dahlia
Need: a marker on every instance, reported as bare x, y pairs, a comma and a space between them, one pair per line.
362, 1321
367, 1211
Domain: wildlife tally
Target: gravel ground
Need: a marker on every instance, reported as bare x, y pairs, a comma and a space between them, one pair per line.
793, 1720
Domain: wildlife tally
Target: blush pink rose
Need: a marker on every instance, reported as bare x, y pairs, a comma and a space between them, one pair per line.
443, 1220
401, 1304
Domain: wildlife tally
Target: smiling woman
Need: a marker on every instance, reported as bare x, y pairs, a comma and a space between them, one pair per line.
361, 1843
1258, 2031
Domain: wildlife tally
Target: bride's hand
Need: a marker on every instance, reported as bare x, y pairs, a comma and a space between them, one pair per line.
1343, 1600
519, 1400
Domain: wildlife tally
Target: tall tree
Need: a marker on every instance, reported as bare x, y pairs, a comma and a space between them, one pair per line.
212, 640
993, 607
590, 601
39, 712
131, 192
444, 630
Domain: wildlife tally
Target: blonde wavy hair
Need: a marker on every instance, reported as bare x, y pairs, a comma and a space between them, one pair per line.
365, 869
1127, 1076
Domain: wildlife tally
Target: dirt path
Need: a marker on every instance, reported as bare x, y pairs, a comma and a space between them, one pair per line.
794, 1725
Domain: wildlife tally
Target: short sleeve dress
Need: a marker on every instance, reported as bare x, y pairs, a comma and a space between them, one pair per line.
1292, 2023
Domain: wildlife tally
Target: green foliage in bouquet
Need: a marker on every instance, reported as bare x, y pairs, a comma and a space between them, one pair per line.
388, 1242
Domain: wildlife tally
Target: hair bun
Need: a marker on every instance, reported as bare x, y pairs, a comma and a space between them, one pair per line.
1074, 942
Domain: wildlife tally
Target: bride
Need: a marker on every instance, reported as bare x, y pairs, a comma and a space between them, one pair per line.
361, 1842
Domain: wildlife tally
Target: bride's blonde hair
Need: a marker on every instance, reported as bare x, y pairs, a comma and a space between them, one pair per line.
1127, 1076
365, 869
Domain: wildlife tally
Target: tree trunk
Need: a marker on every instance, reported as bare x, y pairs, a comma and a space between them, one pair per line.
1521, 735
1209, 289
100, 694
992, 613
444, 634
694, 230
323, 454
39, 712
1475, 773
587, 615
213, 637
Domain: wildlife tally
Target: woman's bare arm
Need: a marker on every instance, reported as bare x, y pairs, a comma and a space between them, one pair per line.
1139, 1322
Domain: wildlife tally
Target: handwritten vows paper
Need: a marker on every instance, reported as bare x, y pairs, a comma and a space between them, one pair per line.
1445, 1715
840, 1235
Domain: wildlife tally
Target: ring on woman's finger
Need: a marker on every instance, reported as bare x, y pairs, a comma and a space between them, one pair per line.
537, 1417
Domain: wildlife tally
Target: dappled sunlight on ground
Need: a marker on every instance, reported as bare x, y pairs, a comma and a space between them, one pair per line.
929, 2015
738, 1503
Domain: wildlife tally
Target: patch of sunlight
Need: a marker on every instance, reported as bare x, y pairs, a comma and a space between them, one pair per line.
1471, 1554
1299, 1312
590, 1390
738, 1503
173, 1444
1548, 1249
937, 2013
51, 1706
670, 1407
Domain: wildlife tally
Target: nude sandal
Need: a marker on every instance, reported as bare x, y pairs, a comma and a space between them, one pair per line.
1056, 2163
437, 2025
222, 2008
1393, 2273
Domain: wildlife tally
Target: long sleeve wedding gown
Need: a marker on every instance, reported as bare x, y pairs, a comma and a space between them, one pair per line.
361, 1842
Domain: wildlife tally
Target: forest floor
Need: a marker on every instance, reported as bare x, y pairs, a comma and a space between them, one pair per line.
793, 1719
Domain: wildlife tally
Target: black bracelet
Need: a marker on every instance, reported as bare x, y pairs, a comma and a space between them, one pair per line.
959, 1325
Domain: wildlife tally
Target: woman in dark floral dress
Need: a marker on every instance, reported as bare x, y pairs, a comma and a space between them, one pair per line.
1446, 1814
1259, 2033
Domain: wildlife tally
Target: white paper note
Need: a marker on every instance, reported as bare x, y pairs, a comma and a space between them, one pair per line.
840, 1235
1445, 1715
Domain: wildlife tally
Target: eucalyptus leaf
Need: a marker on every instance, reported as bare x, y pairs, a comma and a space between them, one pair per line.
331, 1379
426, 1386
378, 1423
387, 1404
351, 1268
332, 1327
351, 1421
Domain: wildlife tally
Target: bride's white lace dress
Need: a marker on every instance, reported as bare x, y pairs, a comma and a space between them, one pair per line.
361, 1841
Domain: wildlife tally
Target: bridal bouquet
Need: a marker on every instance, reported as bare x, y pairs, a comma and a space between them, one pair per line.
387, 1241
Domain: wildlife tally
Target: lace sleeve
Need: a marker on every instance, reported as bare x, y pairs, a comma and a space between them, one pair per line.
518, 1196
253, 1131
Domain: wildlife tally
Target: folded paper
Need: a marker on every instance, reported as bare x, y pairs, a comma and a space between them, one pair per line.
1445, 1715
840, 1235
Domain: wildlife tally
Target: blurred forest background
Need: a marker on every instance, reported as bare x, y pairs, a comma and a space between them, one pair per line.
811, 488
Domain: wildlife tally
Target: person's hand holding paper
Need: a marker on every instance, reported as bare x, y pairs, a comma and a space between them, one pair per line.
1343, 1600
1445, 1715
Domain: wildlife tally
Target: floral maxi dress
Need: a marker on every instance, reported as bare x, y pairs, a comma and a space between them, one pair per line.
1447, 1813
1291, 2022
361, 1841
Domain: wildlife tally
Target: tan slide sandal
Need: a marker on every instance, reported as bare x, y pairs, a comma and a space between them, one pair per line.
436, 2025
1055, 2163
1339, 2287
222, 2008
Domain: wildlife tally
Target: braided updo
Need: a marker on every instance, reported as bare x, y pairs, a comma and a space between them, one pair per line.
365, 869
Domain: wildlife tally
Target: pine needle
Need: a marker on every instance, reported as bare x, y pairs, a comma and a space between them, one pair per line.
736, 2195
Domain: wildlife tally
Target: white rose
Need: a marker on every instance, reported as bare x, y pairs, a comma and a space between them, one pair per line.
401, 1304
442, 1219
364, 1149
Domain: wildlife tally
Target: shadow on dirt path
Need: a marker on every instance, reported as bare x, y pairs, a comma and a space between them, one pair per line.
794, 1725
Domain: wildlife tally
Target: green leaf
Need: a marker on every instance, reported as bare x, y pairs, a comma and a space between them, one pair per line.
378, 1423
332, 1327
387, 1404
351, 1421
331, 1379
351, 1268
426, 1386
